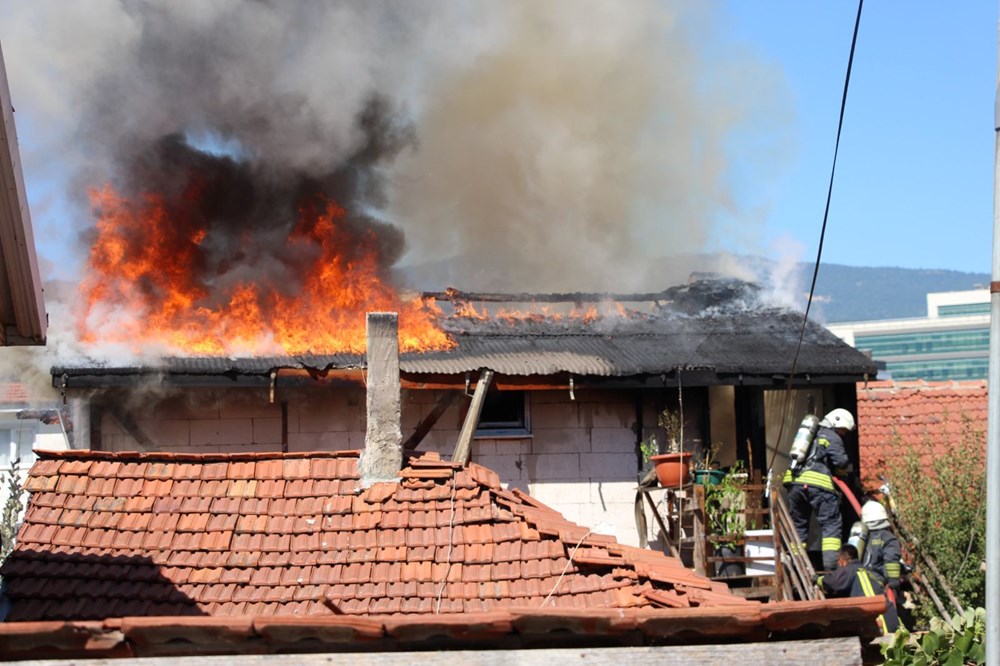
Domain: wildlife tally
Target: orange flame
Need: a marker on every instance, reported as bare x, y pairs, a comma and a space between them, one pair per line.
143, 288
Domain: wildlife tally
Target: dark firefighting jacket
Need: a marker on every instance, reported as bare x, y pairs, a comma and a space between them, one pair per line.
882, 556
828, 455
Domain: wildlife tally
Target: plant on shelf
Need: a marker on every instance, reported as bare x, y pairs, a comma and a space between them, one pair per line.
648, 448
709, 457
672, 425
672, 467
725, 504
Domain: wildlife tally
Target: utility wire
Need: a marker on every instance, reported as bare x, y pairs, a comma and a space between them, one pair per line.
822, 232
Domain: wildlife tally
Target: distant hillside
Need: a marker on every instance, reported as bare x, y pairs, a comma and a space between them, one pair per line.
853, 293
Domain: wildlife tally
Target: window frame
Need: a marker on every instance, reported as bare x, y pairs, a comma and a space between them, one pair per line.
506, 429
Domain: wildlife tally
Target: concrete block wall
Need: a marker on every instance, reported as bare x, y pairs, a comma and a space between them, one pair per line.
580, 458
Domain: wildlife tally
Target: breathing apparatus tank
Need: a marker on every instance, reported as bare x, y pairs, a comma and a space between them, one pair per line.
858, 538
802, 444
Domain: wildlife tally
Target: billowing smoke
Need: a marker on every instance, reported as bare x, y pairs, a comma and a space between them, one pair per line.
524, 145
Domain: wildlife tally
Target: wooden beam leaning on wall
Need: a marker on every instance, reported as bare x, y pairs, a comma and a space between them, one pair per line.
413, 441
464, 445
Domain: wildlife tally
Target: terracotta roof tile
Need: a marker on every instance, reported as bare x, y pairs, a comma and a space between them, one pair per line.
187, 534
926, 417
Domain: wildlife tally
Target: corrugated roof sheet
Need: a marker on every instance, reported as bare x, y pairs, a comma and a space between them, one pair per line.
751, 343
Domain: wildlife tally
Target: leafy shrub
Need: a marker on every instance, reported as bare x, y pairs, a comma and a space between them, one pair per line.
11, 511
961, 641
940, 501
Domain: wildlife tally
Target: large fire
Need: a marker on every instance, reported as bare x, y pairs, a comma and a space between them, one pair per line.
148, 286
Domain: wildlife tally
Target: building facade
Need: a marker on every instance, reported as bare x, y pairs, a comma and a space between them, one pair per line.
950, 343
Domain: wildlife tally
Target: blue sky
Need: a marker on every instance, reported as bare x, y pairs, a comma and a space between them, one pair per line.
914, 185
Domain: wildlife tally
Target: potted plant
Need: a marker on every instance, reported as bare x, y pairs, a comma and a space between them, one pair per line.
706, 471
672, 467
725, 504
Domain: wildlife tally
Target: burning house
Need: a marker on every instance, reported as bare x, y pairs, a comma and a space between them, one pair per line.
245, 450
571, 398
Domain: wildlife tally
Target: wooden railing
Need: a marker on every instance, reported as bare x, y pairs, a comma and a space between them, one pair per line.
683, 523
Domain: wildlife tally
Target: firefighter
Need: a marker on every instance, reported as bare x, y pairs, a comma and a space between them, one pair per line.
882, 552
810, 486
851, 579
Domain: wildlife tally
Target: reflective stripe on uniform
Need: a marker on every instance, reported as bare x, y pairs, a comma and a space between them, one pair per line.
892, 569
866, 587
811, 478
831, 543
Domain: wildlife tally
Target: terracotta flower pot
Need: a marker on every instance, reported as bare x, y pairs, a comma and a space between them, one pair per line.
672, 469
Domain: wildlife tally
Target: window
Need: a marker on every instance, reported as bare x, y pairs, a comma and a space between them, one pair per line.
963, 309
16, 445
505, 414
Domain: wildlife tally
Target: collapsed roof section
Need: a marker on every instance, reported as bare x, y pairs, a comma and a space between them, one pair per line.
712, 331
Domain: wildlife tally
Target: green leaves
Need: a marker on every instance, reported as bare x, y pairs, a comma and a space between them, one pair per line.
11, 511
939, 488
948, 643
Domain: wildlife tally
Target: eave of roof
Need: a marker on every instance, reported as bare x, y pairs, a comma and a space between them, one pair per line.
22, 308
507, 629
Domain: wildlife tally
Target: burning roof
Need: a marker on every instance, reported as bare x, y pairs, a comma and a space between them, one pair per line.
713, 330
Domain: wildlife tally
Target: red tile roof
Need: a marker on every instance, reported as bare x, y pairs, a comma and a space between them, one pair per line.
526, 628
895, 417
125, 534
13, 393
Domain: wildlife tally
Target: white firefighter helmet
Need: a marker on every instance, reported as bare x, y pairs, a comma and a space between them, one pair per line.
839, 418
873, 512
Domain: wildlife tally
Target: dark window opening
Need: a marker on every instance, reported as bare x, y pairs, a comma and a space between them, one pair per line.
505, 413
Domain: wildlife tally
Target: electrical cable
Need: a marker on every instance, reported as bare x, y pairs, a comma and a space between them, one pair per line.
822, 233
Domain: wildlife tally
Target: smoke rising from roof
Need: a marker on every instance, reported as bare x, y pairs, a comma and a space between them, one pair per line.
531, 146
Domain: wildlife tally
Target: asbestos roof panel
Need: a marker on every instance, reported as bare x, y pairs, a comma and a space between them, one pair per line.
752, 343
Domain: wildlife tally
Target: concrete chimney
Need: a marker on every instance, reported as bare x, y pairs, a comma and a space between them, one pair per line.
383, 455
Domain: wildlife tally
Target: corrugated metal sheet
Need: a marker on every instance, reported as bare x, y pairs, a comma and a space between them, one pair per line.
749, 343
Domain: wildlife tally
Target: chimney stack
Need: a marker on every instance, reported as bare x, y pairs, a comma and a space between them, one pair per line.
383, 455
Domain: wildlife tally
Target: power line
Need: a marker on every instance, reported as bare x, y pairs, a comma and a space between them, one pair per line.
822, 232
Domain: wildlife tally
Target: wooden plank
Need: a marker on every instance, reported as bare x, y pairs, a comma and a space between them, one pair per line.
641, 526
456, 296
424, 427
22, 307
914, 546
132, 428
668, 536
464, 445
803, 568
780, 653
779, 579
700, 555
